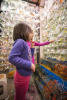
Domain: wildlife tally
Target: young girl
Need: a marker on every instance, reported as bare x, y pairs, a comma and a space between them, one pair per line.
20, 56
32, 45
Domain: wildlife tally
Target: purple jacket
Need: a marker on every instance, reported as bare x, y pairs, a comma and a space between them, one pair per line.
20, 57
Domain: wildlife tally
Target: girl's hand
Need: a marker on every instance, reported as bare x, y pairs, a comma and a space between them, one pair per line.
33, 67
52, 41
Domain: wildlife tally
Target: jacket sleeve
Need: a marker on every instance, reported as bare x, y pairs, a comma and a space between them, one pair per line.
41, 44
15, 56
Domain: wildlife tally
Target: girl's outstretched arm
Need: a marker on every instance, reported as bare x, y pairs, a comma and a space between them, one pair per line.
41, 44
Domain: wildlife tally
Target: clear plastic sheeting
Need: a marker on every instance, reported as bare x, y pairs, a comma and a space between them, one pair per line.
15, 11
54, 27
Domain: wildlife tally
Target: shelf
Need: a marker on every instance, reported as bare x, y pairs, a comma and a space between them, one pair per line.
40, 88
53, 60
55, 54
46, 84
56, 77
41, 77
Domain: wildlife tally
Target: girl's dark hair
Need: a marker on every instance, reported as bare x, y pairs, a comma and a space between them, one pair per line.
21, 31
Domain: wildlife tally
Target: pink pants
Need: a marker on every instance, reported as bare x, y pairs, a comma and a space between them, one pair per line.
21, 86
